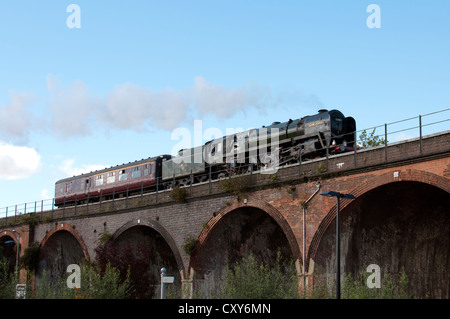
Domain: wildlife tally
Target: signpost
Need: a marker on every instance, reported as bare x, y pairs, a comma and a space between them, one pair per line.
21, 291
165, 280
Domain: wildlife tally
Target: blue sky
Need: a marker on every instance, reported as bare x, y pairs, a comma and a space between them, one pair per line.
113, 90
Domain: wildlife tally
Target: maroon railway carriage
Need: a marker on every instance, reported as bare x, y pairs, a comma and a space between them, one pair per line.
111, 182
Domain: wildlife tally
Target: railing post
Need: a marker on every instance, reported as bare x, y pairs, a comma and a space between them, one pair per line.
355, 146
190, 183
299, 160
157, 189
100, 201
420, 134
126, 200
385, 143
209, 176
75, 209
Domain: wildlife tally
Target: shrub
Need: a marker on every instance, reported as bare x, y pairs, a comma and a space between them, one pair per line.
179, 194
130, 265
30, 219
392, 287
370, 140
254, 280
30, 258
190, 245
95, 284
237, 185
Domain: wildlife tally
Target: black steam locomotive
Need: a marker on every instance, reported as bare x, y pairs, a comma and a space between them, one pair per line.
263, 149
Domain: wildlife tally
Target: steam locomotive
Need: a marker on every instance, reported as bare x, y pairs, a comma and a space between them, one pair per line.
265, 148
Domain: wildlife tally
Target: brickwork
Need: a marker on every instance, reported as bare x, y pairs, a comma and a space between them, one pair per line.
280, 195
22, 232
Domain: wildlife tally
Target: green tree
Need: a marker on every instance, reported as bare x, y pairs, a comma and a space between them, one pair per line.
370, 140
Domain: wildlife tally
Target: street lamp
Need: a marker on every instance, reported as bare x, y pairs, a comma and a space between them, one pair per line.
338, 237
17, 250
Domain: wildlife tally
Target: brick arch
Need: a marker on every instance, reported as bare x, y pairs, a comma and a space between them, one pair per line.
263, 206
393, 176
10, 233
161, 230
71, 230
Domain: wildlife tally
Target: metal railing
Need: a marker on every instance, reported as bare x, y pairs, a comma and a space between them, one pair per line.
391, 133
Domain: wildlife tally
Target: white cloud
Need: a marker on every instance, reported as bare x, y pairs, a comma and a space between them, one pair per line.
72, 108
68, 169
45, 194
129, 106
18, 162
225, 102
15, 119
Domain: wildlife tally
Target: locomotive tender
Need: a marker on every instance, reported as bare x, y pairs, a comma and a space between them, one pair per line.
272, 146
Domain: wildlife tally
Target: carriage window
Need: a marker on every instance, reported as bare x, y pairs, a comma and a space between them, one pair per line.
146, 166
111, 177
123, 176
99, 180
136, 172
61, 189
75, 185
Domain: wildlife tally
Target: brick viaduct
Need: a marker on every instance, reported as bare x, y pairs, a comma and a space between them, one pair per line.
399, 220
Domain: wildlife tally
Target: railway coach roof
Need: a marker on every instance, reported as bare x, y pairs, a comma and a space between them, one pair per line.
113, 168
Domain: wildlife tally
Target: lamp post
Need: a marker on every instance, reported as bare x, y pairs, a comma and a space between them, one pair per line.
338, 237
17, 251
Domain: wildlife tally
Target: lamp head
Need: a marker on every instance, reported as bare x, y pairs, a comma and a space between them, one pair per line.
336, 194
